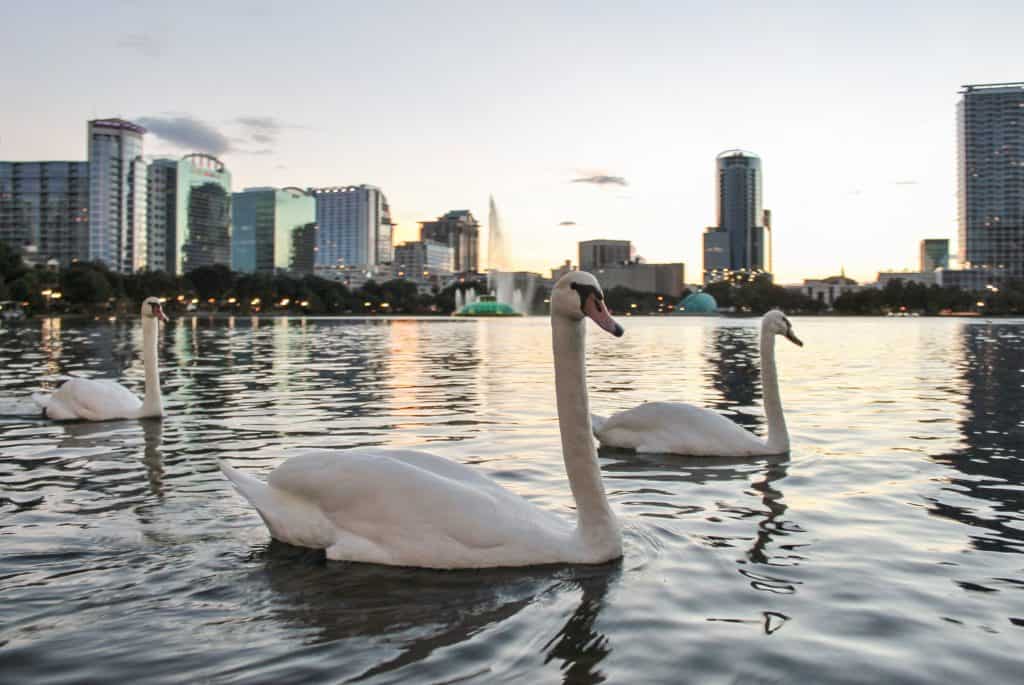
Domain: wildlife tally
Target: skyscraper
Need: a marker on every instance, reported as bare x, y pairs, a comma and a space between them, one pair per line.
353, 226
990, 138
196, 216
934, 254
273, 230
741, 242
161, 212
459, 230
117, 194
44, 206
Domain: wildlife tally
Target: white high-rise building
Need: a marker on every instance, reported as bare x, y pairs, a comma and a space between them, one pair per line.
117, 195
353, 227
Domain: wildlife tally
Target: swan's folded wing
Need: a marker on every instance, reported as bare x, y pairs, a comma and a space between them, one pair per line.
390, 494
97, 400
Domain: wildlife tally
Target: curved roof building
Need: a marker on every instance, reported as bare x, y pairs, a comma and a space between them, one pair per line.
698, 304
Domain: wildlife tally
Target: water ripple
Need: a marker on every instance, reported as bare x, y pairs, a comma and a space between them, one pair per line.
885, 548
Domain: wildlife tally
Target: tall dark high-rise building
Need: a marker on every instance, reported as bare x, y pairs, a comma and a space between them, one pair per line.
44, 207
459, 230
741, 242
990, 138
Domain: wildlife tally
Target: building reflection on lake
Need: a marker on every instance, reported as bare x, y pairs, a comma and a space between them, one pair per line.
988, 467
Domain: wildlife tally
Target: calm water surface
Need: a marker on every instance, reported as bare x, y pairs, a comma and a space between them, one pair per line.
886, 548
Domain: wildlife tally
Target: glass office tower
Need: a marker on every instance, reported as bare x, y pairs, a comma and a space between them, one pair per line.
190, 206
273, 231
990, 128
44, 206
741, 242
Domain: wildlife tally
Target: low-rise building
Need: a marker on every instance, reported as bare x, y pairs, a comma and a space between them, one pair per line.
828, 290
971, 280
353, 276
921, 277
596, 254
666, 279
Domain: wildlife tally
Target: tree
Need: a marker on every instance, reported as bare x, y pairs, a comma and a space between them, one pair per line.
11, 266
85, 284
212, 281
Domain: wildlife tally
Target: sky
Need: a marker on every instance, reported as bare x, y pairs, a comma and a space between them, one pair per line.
583, 119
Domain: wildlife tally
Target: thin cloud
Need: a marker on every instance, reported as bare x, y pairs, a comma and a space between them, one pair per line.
601, 180
187, 132
262, 130
142, 43
567, 223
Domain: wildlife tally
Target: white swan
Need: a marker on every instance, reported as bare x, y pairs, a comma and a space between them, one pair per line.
677, 428
104, 400
410, 508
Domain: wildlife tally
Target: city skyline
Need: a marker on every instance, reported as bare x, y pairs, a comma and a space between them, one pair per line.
613, 132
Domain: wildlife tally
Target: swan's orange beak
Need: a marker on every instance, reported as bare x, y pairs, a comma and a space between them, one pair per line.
595, 309
158, 312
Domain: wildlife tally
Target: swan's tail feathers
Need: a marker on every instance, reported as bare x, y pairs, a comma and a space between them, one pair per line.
288, 518
597, 423
253, 489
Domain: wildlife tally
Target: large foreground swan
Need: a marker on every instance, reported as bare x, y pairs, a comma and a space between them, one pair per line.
677, 428
104, 400
409, 508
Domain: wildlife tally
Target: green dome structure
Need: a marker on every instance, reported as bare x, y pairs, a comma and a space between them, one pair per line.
698, 304
487, 305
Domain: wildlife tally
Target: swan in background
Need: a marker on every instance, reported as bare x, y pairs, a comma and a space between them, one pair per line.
411, 508
104, 400
678, 428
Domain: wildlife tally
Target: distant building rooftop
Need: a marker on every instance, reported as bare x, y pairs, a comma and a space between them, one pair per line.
736, 152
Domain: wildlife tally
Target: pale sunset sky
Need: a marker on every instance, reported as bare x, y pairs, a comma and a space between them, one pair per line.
851, 108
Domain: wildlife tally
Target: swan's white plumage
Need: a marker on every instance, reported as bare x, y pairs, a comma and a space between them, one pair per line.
411, 508
405, 508
105, 400
679, 428
89, 399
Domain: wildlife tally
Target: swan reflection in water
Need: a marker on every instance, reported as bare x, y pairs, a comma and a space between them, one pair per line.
116, 436
671, 476
411, 614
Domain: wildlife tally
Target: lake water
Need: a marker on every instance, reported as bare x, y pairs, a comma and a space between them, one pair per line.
888, 547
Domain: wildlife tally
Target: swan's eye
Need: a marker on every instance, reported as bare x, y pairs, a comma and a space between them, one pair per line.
586, 291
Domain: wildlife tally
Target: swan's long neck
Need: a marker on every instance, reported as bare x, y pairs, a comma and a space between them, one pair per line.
778, 436
152, 403
597, 523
